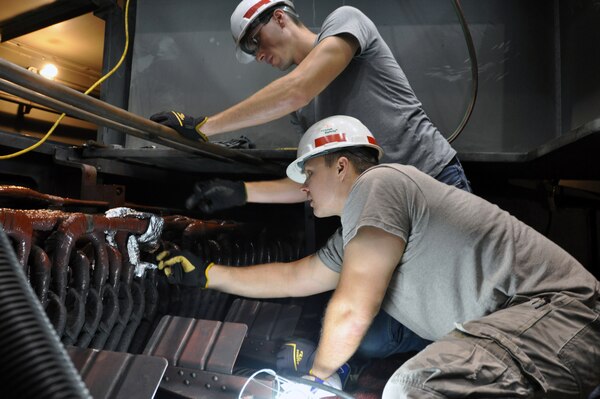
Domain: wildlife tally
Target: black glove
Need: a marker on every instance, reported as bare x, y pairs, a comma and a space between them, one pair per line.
187, 126
185, 268
241, 142
296, 356
214, 195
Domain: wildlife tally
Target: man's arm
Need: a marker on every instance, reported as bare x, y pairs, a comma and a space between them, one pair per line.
370, 259
281, 191
215, 195
306, 276
290, 92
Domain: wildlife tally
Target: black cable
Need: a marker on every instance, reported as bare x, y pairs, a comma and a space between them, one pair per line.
474, 70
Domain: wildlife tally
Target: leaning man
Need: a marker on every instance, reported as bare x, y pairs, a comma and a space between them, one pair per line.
511, 313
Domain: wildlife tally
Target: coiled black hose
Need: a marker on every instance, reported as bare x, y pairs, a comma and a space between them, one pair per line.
33, 364
474, 70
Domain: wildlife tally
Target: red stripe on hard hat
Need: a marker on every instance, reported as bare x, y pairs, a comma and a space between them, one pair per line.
255, 7
332, 138
338, 138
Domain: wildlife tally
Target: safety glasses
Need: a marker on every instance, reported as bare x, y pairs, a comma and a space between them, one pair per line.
251, 42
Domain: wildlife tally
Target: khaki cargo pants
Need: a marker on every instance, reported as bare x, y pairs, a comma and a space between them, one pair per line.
545, 347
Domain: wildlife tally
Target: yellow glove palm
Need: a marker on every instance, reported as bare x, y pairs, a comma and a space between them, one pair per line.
185, 268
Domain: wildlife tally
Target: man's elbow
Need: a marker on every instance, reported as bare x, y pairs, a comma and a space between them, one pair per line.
358, 324
357, 320
300, 98
298, 94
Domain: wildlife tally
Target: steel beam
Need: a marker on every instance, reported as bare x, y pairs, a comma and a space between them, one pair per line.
43, 16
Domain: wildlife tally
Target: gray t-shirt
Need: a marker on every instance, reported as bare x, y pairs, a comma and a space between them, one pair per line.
374, 89
464, 256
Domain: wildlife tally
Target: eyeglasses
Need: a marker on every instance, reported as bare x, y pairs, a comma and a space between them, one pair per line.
251, 42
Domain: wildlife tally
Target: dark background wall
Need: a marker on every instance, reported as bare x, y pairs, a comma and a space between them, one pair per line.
537, 61
579, 61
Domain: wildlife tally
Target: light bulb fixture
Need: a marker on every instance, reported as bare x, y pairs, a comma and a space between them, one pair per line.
49, 71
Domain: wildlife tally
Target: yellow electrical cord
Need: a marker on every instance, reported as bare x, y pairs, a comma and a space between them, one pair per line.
88, 91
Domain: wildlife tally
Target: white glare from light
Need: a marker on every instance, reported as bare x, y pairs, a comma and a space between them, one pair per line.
49, 71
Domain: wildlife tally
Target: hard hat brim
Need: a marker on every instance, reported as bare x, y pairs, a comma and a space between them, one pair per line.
295, 172
242, 56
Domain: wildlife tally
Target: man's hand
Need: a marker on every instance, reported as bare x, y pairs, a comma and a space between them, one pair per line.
187, 126
296, 356
295, 388
185, 268
215, 195
332, 381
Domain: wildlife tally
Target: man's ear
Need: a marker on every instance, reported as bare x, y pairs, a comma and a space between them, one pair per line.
342, 166
278, 15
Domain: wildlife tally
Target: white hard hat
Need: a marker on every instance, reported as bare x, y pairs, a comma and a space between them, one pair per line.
242, 18
328, 135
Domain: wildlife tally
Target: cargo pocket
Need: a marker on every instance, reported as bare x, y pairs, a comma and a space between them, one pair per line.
581, 355
480, 367
526, 365
461, 363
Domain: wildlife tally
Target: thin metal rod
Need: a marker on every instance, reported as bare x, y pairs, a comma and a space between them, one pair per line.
152, 131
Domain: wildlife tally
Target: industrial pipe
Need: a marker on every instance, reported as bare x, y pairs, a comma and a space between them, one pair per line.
18, 227
39, 273
154, 131
38, 98
125, 311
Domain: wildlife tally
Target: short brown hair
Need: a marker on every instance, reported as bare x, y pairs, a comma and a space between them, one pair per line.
362, 158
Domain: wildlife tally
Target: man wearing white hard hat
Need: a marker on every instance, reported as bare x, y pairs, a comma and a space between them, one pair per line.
345, 69
511, 314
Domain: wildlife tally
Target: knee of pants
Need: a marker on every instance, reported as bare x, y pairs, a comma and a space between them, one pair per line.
408, 384
459, 364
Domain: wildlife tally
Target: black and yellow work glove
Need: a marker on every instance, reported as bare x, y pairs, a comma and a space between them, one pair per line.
187, 126
184, 268
215, 195
296, 356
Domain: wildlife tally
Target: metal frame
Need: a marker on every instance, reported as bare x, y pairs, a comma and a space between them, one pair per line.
115, 91
47, 15
19, 81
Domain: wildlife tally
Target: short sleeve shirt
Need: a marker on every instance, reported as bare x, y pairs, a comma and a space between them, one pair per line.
464, 257
374, 89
